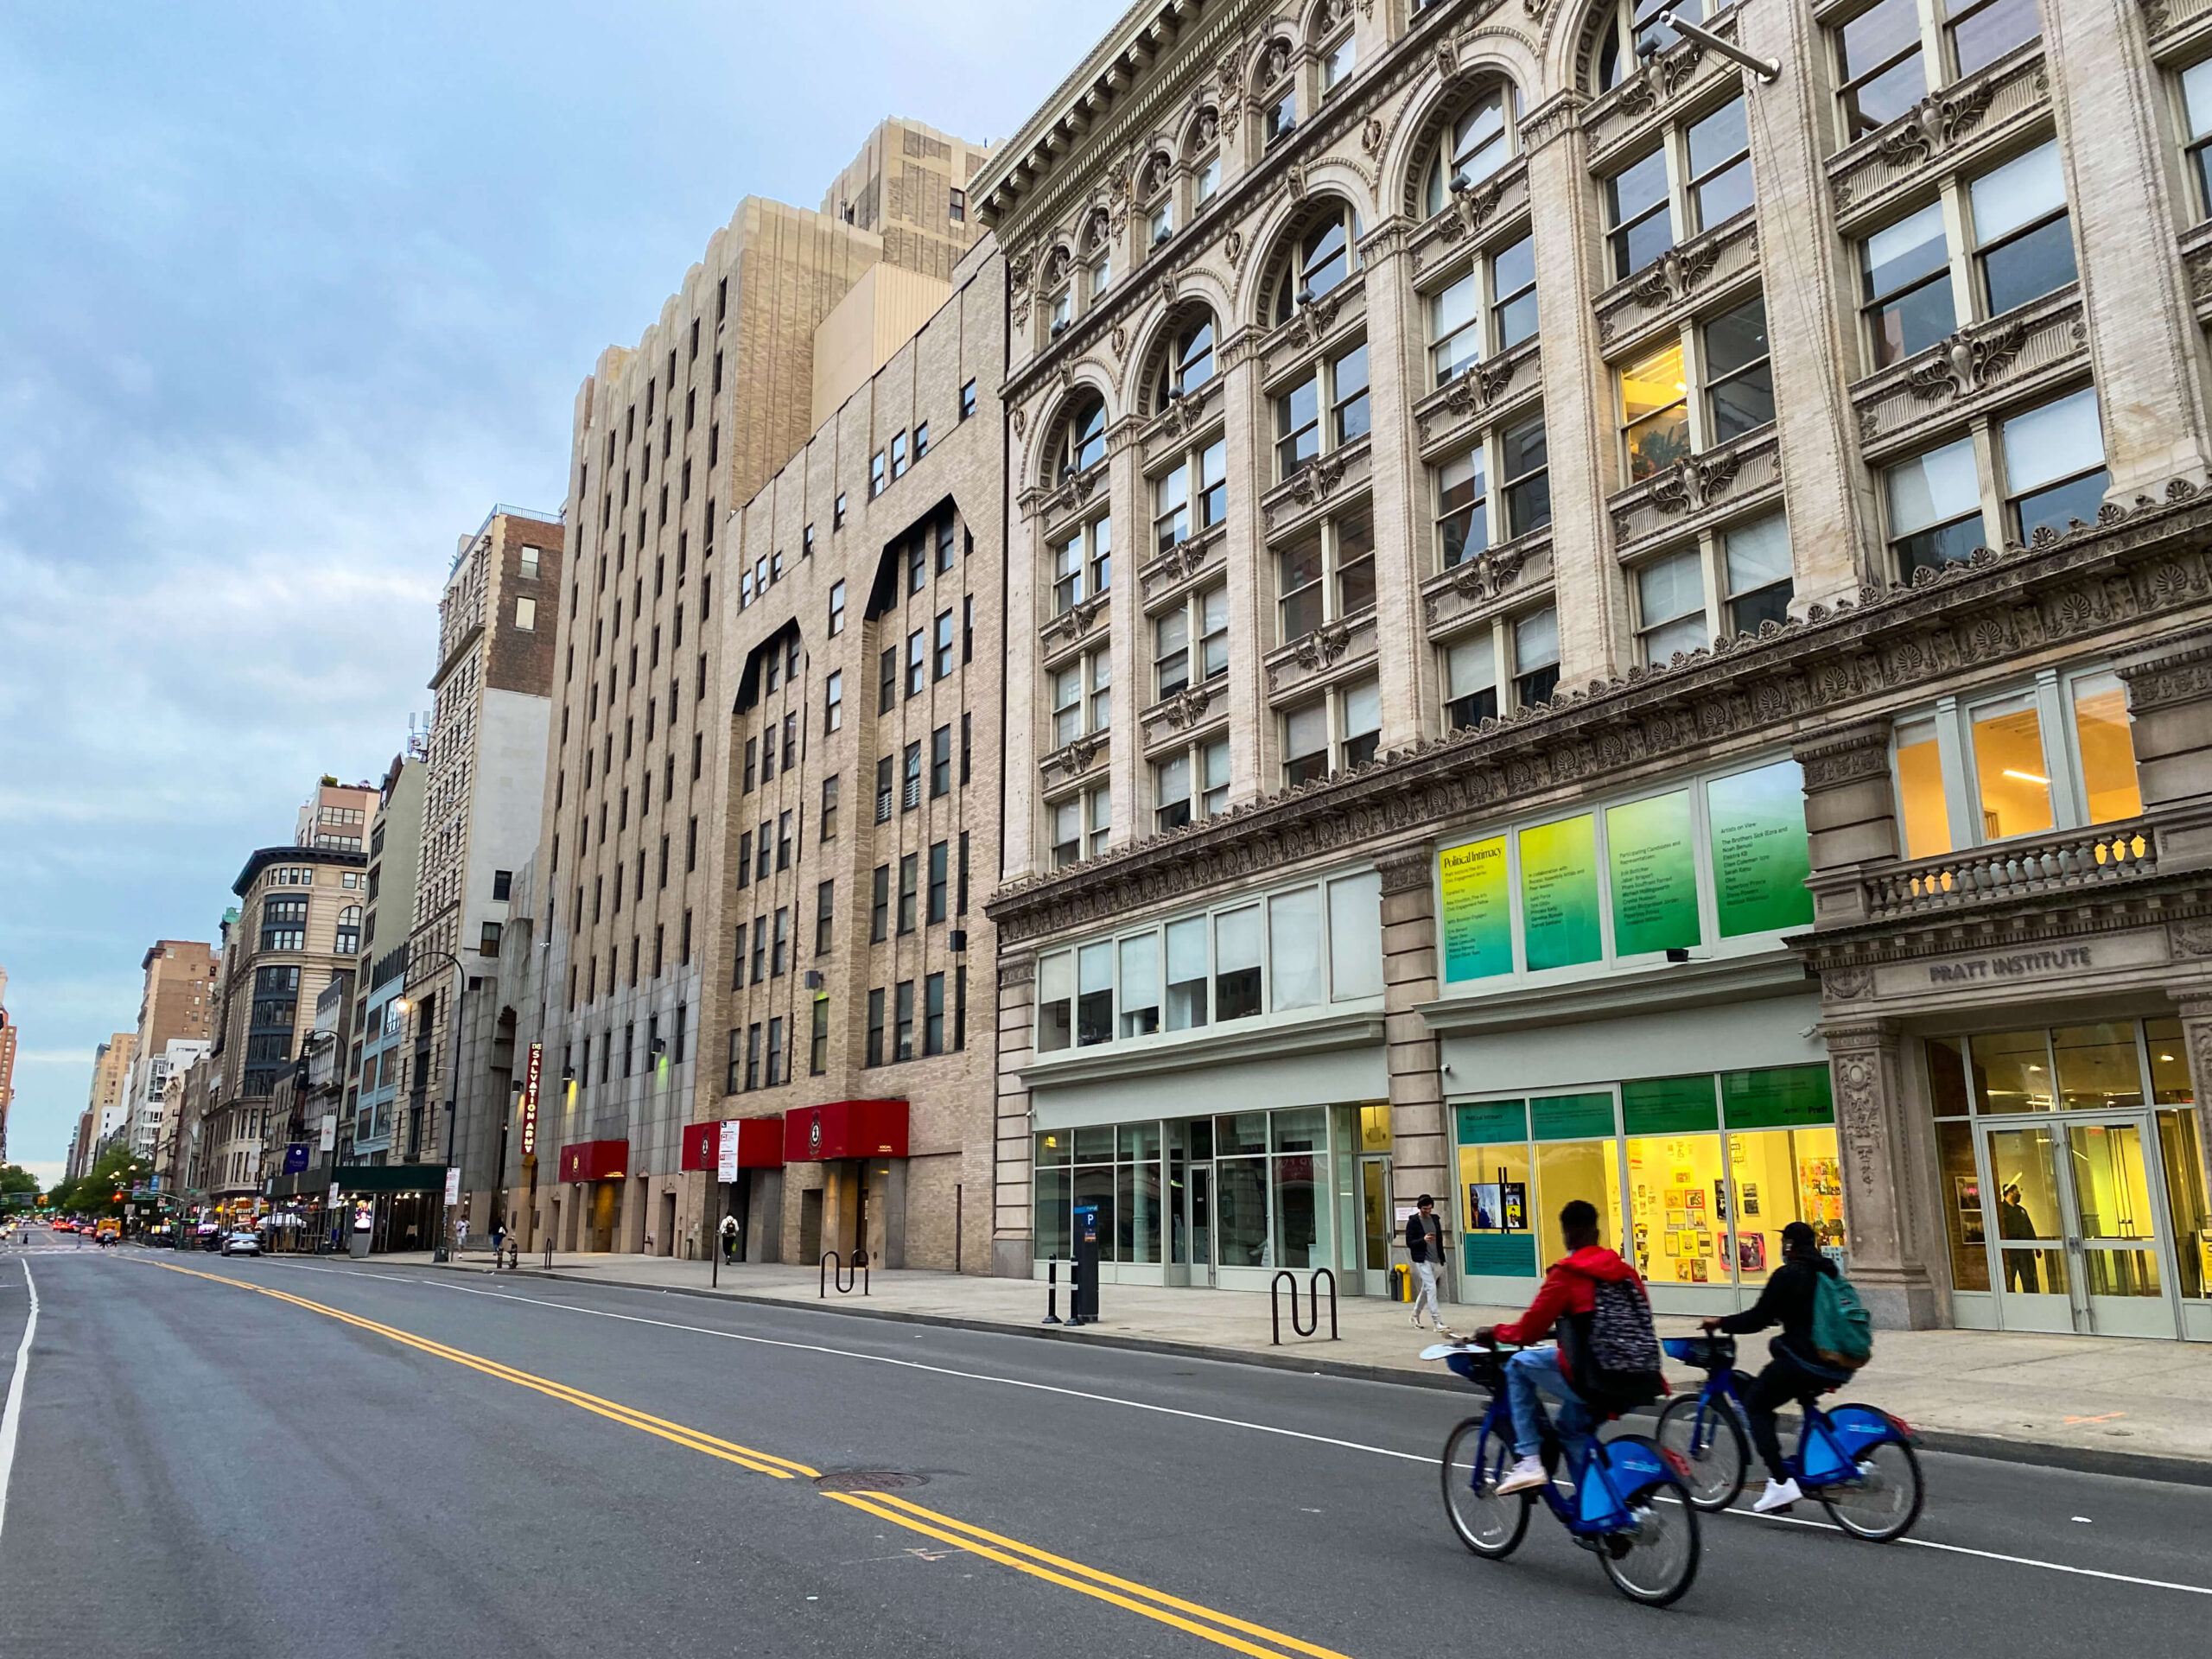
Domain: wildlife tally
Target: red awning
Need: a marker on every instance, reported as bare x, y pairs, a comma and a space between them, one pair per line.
759, 1144
595, 1160
845, 1128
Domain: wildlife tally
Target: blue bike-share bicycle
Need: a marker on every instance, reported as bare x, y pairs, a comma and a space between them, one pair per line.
1857, 1459
1623, 1500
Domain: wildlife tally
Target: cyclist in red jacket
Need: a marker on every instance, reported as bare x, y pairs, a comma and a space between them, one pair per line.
1569, 1290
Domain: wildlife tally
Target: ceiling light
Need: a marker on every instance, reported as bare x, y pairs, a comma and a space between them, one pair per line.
2027, 777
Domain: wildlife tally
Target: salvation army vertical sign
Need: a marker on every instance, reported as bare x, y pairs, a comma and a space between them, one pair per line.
531, 1068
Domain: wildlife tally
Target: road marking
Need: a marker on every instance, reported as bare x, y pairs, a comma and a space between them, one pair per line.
1008, 1552
11, 1418
947, 1371
766, 1462
1231, 1422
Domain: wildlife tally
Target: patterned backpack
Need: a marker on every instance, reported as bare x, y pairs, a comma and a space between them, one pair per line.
1620, 1349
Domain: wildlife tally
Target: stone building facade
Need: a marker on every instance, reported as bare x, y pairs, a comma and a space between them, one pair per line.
176, 1005
845, 1024
1659, 639
669, 437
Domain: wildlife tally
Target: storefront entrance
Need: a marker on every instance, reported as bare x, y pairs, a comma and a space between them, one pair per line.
2065, 1214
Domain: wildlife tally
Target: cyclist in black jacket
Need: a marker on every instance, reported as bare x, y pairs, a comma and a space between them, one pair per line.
1795, 1372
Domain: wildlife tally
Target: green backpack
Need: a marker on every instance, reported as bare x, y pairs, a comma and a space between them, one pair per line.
1843, 1335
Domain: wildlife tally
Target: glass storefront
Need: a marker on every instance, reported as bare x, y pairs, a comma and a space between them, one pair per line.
1257, 1191
2072, 1179
1694, 1178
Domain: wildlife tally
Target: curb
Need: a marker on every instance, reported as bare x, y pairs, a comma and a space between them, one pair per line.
2044, 1454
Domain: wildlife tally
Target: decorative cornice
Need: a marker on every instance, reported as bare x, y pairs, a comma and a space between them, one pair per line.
1407, 869
1849, 756
2135, 566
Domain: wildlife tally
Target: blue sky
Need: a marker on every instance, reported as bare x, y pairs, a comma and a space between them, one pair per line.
292, 295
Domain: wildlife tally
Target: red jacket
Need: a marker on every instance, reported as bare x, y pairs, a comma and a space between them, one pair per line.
1570, 1287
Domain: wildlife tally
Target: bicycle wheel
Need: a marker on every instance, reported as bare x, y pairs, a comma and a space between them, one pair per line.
1706, 1436
1492, 1527
1655, 1559
1882, 1505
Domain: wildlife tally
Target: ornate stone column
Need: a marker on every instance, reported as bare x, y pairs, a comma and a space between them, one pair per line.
1252, 758
2169, 685
1405, 666
1888, 1240
1850, 815
1421, 1144
1012, 1147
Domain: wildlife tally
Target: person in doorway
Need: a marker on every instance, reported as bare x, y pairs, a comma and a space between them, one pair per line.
1425, 1249
2013, 1221
1568, 1294
728, 1230
1794, 1372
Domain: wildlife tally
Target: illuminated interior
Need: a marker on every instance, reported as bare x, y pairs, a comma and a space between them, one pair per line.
1920, 791
2107, 750
2008, 763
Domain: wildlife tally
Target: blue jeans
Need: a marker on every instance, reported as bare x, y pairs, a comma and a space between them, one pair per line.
1534, 1369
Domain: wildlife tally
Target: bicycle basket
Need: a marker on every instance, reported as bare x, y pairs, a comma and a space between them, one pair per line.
1706, 1353
1481, 1367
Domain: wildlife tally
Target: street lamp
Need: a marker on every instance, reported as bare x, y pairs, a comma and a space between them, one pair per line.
443, 1250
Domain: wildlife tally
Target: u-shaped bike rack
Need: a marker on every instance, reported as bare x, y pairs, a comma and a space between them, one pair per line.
835, 1269
1312, 1323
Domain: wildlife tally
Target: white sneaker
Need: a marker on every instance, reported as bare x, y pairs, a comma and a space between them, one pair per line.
1523, 1476
1779, 1495
1415, 1321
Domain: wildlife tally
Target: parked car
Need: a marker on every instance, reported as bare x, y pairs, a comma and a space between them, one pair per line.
242, 1243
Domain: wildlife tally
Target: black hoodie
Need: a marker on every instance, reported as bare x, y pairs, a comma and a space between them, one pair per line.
1786, 1301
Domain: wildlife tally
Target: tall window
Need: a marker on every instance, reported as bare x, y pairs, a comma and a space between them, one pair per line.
1178, 513
1319, 258
1478, 142
1634, 29
1470, 512
1490, 309
1535, 657
1336, 731
1327, 574
1188, 362
2196, 119
1205, 614
833, 700
1699, 176
1327, 409
1082, 564
1083, 697
1662, 423
1081, 441
1191, 782
1080, 825
2050, 461
1890, 54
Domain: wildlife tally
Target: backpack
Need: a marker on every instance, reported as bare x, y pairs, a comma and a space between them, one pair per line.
1842, 1333
1620, 1349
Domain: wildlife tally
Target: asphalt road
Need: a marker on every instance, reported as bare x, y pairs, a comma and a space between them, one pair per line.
425, 1464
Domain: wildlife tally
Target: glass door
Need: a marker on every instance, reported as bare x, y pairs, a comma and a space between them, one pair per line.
1374, 1215
2111, 1167
1200, 1192
2023, 1171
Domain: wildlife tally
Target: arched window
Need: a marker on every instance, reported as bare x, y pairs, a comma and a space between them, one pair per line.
1627, 31
1187, 360
1323, 252
1080, 443
1097, 255
1479, 140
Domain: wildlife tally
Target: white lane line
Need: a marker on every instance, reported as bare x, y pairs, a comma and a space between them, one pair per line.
11, 1420
1239, 1422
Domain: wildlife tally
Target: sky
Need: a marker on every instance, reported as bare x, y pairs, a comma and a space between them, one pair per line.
293, 295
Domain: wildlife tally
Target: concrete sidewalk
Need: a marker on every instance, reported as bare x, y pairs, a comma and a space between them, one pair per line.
2106, 1405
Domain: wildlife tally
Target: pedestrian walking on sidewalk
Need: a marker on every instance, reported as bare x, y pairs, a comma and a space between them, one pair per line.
1425, 1249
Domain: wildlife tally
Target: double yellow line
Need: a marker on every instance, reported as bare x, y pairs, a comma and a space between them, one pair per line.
1222, 1630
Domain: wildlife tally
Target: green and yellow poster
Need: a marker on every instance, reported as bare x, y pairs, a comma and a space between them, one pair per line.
1478, 918
1559, 893
1651, 855
1760, 856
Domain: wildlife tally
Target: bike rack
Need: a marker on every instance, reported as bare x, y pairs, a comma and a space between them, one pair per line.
844, 1274
1312, 1323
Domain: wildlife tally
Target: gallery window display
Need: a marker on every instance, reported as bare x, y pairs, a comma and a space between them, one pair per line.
1695, 1177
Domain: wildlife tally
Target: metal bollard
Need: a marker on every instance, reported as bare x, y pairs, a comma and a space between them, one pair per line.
1052, 1290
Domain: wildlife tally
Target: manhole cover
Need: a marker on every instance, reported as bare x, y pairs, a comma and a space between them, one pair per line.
868, 1480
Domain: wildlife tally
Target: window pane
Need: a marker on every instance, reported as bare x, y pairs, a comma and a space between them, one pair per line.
1989, 34
1236, 963
1920, 791
1637, 188
1451, 313
2098, 1067
1140, 985
2029, 266
2009, 766
1901, 254
1876, 35
1294, 948
1094, 1015
2011, 1072
1305, 731
1535, 640
2108, 749
2197, 97
1757, 554
1462, 515
1186, 974
2050, 442
1669, 587
2017, 194
1736, 339
1932, 488
1471, 666
1653, 411
1356, 937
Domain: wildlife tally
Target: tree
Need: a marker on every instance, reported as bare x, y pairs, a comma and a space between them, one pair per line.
14, 1177
94, 1192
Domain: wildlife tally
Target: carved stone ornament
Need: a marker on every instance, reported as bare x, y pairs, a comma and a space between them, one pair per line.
1323, 646
1936, 122
1188, 706
1019, 419
1407, 869
1489, 573
1849, 757
2192, 938
1640, 96
1447, 56
1168, 291
1848, 984
1472, 208
1074, 622
1313, 319
1076, 757
1182, 561
1969, 360
1294, 181
1370, 135
1675, 69
1480, 386
1121, 342
1276, 64
1180, 415
1693, 482
1232, 246
1674, 275
2156, 16
1317, 479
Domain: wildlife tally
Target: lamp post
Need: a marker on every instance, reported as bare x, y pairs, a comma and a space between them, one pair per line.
443, 1250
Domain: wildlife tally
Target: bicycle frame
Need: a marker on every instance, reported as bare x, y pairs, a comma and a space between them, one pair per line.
1604, 1470
1829, 1443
